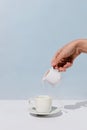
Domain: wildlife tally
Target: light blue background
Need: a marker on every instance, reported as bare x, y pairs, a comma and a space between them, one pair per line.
31, 31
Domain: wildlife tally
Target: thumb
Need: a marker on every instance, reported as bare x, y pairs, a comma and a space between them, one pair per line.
55, 58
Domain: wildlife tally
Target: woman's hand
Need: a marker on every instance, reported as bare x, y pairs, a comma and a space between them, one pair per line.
64, 57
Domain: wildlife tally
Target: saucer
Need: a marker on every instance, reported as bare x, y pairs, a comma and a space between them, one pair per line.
54, 110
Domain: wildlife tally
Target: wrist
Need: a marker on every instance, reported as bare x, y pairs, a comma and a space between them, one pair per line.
77, 45
82, 45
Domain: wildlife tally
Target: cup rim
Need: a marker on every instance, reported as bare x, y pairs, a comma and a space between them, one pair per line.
43, 96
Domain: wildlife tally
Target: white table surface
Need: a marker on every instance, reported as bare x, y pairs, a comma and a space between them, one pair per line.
14, 115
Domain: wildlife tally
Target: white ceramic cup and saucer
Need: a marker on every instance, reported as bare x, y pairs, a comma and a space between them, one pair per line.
42, 105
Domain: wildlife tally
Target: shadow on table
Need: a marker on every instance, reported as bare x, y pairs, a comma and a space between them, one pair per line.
76, 105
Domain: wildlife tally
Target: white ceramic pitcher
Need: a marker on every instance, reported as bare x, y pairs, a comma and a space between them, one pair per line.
52, 76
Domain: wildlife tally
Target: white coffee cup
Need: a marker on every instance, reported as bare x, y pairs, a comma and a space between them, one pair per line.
52, 76
42, 103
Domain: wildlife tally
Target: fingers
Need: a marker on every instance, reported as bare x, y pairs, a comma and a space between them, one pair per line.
63, 68
61, 63
67, 65
56, 60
